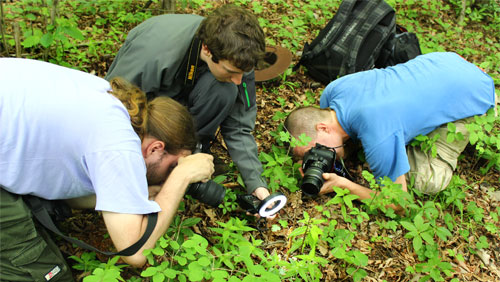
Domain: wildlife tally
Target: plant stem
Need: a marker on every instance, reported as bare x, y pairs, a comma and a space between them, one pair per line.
2, 32
305, 234
17, 39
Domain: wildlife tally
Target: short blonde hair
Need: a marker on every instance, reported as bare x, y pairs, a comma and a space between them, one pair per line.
304, 120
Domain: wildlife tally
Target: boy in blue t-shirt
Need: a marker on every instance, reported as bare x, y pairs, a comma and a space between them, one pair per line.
385, 109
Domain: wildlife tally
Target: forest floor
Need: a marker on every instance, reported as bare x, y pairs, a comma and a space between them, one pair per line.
388, 259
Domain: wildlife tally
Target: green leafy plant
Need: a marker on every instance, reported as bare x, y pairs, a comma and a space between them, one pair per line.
484, 134
387, 195
426, 143
87, 34
87, 262
109, 271
280, 169
345, 198
419, 231
310, 233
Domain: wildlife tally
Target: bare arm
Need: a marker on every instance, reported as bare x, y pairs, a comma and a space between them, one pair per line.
331, 179
126, 229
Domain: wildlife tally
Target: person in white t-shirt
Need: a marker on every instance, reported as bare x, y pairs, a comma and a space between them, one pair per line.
66, 134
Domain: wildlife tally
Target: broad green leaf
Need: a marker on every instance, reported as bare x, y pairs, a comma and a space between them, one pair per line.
30, 41
421, 137
359, 275
249, 278
419, 222
47, 40
349, 198
219, 274
204, 261
339, 253
270, 277
170, 273
360, 259
417, 243
73, 32
190, 221
181, 260
452, 127
174, 245
436, 274
220, 178
158, 277
189, 244
443, 233
234, 279
409, 226
450, 137
158, 251
428, 237
150, 271
195, 272
30, 17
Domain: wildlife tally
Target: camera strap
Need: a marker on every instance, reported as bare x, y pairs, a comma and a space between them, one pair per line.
342, 170
42, 215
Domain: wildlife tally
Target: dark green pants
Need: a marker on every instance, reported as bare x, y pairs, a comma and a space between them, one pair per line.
27, 253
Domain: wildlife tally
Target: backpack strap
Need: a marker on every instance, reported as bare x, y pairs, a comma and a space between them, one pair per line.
42, 215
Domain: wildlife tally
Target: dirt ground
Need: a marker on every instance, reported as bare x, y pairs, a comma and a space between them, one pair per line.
387, 259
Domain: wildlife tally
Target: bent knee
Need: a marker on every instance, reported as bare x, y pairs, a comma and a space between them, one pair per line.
431, 178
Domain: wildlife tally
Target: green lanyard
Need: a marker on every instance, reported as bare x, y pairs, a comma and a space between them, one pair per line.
246, 93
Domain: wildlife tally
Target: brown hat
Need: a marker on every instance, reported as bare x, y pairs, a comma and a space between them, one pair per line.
276, 61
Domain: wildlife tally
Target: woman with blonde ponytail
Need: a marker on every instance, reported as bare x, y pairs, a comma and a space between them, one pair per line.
94, 144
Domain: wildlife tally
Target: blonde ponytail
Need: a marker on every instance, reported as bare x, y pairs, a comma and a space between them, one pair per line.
162, 118
135, 101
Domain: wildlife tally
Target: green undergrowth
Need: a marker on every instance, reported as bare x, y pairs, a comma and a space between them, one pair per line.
337, 239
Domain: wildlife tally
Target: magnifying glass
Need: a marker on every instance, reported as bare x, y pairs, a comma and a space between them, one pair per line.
265, 208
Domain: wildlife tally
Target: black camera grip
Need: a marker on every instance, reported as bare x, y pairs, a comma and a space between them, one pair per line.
248, 202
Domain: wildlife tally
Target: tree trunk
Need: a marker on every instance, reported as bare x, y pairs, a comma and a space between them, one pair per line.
17, 39
168, 6
2, 32
462, 11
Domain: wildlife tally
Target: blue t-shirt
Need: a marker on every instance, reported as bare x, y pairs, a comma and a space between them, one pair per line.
386, 108
63, 136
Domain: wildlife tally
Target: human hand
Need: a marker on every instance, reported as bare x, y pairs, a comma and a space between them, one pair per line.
153, 190
300, 169
261, 193
198, 167
331, 179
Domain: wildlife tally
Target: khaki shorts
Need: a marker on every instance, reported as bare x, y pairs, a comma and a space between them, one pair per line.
433, 174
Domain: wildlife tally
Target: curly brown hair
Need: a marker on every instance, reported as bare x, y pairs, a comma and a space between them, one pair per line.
232, 33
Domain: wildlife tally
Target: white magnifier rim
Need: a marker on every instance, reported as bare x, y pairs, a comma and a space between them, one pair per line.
270, 201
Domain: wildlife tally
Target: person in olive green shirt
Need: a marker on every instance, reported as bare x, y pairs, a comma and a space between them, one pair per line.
206, 64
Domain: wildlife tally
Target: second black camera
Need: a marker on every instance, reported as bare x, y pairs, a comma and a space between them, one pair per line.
318, 160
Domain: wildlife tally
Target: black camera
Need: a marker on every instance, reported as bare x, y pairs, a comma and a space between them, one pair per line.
210, 192
318, 160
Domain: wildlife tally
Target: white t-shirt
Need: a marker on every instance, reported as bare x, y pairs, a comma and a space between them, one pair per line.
63, 136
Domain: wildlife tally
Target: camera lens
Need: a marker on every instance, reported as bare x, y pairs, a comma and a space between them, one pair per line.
312, 181
209, 193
